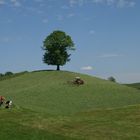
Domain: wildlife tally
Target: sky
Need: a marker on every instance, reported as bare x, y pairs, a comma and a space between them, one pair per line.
106, 34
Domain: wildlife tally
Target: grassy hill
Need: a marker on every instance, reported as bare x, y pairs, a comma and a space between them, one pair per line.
47, 107
134, 85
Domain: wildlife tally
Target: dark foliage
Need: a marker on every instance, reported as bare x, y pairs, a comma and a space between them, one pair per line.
57, 46
112, 79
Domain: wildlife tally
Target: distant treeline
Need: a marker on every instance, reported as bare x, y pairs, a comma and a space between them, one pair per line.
9, 74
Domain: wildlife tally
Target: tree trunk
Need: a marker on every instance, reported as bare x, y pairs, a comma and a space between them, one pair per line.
58, 67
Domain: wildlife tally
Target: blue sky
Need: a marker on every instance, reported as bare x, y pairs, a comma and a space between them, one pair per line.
106, 34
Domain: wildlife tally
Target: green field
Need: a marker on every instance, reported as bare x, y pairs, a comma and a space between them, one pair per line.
134, 85
46, 107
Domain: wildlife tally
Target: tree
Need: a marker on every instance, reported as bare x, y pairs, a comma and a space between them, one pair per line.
57, 46
8, 73
112, 79
1, 75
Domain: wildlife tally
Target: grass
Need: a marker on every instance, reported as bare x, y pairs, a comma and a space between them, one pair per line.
47, 107
18, 124
101, 124
13, 75
134, 85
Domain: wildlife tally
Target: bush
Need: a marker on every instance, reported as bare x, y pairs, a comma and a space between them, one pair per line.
1, 75
112, 79
8, 73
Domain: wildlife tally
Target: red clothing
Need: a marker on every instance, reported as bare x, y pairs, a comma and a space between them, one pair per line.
2, 98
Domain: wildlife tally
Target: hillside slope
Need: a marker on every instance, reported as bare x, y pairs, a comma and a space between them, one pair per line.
46, 107
134, 85
48, 92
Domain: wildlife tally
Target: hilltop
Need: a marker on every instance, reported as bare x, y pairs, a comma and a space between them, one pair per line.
46, 105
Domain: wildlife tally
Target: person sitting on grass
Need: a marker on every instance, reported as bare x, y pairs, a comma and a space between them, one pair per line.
2, 100
8, 104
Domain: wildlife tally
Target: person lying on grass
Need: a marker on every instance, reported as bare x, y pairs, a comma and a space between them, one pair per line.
8, 104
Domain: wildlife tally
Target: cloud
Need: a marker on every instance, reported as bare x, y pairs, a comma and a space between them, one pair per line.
109, 55
2, 2
16, 3
72, 2
116, 3
88, 68
125, 3
97, 1
77, 2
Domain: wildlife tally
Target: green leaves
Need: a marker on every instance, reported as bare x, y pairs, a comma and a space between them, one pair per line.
57, 46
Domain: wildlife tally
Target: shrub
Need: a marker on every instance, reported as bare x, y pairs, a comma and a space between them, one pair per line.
1, 75
112, 79
8, 73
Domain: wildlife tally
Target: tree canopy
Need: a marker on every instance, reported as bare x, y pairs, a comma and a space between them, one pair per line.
112, 79
57, 46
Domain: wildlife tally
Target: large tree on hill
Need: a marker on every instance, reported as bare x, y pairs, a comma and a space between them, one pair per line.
57, 46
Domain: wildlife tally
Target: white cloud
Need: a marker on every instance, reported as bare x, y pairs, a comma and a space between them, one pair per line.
88, 68
116, 3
